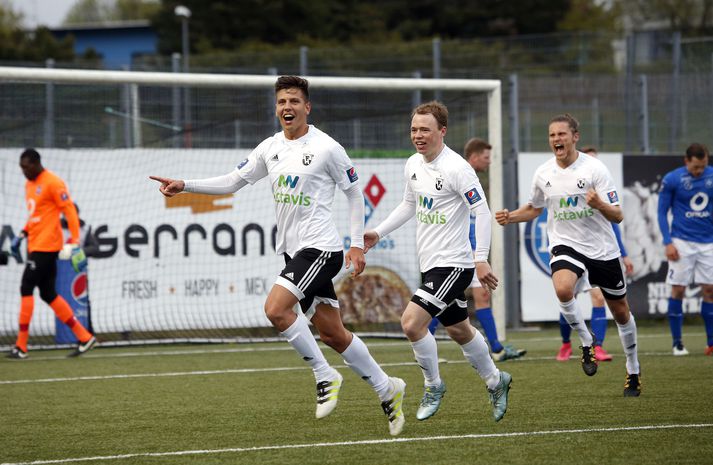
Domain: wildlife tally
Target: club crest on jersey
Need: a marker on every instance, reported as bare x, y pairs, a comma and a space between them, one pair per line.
242, 163
709, 183
352, 174
38, 190
63, 196
580, 183
613, 197
439, 183
307, 158
473, 196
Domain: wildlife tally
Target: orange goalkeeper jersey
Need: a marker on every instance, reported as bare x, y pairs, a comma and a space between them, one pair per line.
46, 196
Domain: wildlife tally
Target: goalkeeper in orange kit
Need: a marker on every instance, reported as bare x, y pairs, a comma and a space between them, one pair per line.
46, 196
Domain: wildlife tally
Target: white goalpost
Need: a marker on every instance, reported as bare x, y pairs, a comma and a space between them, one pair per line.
197, 268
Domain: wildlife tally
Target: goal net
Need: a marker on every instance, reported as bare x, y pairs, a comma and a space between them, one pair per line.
197, 267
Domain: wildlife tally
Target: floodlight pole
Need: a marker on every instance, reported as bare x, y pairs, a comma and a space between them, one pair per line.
184, 13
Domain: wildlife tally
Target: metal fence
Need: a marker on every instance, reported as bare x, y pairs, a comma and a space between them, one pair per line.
647, 93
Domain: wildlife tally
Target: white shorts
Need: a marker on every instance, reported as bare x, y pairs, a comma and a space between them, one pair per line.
695, 264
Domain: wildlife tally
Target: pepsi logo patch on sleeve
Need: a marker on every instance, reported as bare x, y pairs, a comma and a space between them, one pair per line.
613, 198
352, 174
242, 163
473, 196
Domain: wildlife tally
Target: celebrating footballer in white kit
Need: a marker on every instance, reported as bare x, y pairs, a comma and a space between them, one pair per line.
581, 200
441, 191
304, 165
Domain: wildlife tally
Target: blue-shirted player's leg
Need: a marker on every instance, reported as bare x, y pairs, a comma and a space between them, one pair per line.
433, 325
675, 321
599, 324
565, 351
707, 314
484, 314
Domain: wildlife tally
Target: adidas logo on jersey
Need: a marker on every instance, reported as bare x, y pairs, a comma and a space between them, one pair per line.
548, 184
290, 276
275, 157
620, 284
429, 285
413, 177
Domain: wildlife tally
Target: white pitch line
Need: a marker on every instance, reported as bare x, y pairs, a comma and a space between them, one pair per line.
155, 353
257, 370
360, 443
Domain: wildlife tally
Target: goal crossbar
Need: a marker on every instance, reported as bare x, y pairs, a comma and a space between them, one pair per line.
491, 87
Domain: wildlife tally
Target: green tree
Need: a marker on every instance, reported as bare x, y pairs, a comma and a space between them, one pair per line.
18, 45
103, 11
590, 15
228, 25
694, 17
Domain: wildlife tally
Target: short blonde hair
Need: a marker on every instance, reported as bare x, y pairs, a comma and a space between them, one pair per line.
435, 108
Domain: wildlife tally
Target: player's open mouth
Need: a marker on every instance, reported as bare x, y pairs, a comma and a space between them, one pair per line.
288, 117
558, 147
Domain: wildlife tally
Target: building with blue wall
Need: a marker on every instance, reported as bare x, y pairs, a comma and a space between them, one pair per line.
118, 43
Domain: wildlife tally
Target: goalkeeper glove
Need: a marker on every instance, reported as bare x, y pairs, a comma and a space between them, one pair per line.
15, 246
75, 255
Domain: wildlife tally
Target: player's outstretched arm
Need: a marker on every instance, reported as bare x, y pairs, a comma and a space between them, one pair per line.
169, 187
524, 213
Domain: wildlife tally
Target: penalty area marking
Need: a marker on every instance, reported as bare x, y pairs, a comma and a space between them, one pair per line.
361, 443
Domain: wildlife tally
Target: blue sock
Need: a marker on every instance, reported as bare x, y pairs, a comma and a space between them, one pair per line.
565, 329
707, 313
599, 324
433, 325
675, 319
485, 316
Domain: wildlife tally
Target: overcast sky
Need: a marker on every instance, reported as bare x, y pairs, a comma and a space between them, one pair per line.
45, 12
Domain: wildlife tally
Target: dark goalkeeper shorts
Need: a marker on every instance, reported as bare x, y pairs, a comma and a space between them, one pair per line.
40, 272
309, 277
442, 293
605, 274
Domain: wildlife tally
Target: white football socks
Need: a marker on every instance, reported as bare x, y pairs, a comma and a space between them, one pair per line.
627, 334
570, 311
300, 338
426, 352
477, 353
358, 358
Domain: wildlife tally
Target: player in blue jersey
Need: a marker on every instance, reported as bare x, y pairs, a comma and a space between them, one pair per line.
599, 316
477, 154
688, 193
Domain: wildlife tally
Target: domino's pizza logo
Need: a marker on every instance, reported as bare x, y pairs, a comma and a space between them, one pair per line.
373, 193
473, 196
352, 174
536, 243
80, 289
613, 198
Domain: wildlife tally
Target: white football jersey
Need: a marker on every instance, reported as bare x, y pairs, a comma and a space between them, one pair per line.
303, 174
444, 192
570, 221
